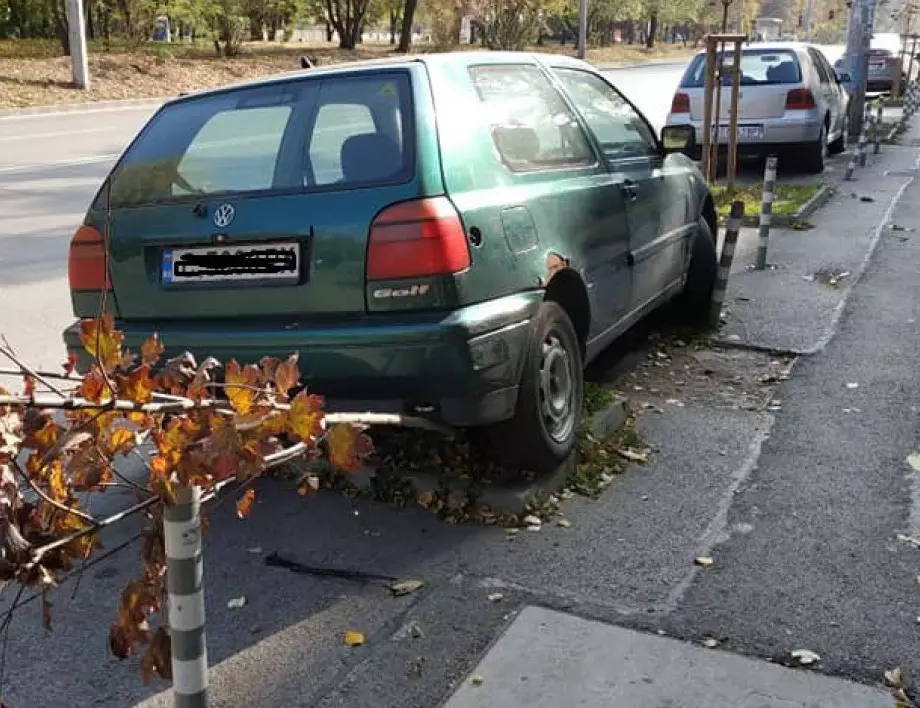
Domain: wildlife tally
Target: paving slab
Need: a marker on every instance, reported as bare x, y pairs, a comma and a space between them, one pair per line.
547, 659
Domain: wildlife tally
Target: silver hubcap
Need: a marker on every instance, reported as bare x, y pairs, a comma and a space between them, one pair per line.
557, 389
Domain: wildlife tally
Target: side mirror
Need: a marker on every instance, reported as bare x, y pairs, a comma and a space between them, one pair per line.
677, 138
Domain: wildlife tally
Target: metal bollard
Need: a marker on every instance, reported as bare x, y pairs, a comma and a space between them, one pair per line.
182, 533
732, 227
879, 108
766, 211
863, 139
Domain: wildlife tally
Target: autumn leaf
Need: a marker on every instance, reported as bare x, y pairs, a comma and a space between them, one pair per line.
157, 659
353, 638
152, 349
70, 364
242, 387
102, 341
45, 437
405, 587
137, 386
244, 504
287, 375
93, 386
305, 419
28, 389
348, 447
121, 440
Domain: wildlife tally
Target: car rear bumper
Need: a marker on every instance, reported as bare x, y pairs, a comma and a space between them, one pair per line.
789, 130
462, 368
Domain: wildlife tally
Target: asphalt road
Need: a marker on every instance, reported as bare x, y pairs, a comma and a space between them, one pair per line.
798, 507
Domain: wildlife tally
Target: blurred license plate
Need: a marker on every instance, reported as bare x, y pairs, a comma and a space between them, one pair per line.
877, 66
276, 262
745, 132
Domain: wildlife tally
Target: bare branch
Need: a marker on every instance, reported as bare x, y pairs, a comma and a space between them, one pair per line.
8, 352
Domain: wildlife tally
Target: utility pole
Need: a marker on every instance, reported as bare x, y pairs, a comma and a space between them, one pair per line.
76, 30
582, 27
857, 60
809, 19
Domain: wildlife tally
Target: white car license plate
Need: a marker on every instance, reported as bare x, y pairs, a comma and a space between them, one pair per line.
745, 132
275, 262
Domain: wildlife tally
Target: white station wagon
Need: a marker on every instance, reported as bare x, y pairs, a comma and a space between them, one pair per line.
792, 104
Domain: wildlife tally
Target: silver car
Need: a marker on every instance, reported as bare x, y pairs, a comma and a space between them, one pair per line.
791, 103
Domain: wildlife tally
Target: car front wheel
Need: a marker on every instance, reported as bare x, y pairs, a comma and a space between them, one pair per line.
543, 432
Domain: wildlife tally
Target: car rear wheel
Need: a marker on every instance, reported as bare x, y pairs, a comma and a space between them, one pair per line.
693, 302
542, 433
814, 153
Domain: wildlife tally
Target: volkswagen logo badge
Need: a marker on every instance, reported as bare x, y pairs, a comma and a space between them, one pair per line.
223, 216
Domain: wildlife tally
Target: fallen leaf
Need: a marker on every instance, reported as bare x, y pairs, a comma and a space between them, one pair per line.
236, 603
806, 657
704, 561
913, 459
404, 587
353, 638
912, 540
852, 385
895, 677
496, 597
308, 485
632, 455
287, 375
255, 549
564, 523
476, 680
241, 384
244, 504
415, 630
710, 643
532, 520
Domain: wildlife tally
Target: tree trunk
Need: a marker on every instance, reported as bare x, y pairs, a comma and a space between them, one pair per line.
652, 29
329, 31
408, 16
394, 21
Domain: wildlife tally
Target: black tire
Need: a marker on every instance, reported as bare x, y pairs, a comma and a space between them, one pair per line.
813, 154
840, 144
533, 440
693, 302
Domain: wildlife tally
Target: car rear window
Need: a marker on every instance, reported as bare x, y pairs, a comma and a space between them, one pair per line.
328, 133
759, 67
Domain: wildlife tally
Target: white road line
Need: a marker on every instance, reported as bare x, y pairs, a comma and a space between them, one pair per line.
66, 112
59, 163
35, 136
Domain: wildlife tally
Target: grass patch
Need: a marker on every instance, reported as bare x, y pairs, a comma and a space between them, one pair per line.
33, 72
787, 198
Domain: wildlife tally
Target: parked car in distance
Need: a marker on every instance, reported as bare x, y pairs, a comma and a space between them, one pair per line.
791, 103
885, 65
451, 235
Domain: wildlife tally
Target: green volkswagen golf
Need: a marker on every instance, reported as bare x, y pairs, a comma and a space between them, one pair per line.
451, 235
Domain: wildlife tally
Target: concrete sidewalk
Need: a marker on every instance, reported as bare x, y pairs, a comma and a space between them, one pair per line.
548, 659
796, 303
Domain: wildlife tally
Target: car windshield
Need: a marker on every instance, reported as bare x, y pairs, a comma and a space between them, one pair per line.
759, 67
324, 133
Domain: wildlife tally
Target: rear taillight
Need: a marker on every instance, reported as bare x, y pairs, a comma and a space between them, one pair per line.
86, 266
800, 99
680, 103
411, 239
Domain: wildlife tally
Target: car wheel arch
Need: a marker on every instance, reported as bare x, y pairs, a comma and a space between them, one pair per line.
567, 289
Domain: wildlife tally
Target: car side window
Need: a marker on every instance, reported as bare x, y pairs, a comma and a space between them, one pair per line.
819, 66
618, 127
531, 125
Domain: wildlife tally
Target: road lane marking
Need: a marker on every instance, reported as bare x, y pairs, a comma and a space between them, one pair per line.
57, 133
59, 163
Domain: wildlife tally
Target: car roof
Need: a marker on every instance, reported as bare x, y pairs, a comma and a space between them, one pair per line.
775, 45
395, 61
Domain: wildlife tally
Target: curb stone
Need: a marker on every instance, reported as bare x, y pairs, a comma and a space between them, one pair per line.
818, 200
504, 498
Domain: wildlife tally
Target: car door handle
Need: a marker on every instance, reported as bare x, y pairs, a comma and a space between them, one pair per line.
630, 189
